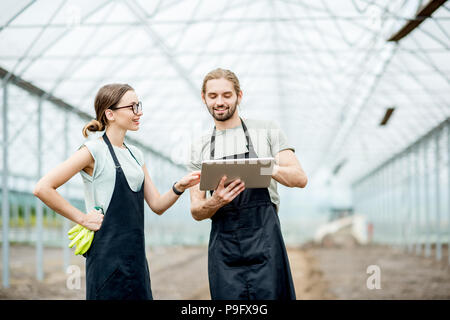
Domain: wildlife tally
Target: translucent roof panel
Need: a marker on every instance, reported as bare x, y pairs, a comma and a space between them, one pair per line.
323, 70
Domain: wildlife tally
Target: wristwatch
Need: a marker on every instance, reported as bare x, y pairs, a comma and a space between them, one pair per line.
179, 193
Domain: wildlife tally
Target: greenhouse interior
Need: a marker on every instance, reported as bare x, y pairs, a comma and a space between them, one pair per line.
359, 88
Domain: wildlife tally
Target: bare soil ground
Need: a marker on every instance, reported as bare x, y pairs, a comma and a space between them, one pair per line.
318, 273
402, 275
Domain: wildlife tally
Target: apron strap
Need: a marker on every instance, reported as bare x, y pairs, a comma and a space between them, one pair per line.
213, 144
131, 154
111, 150
249, 140
247, 137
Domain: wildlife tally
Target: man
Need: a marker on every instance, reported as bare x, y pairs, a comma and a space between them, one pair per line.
247, 257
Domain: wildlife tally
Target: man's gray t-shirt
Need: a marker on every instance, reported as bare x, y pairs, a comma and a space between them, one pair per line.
267, 138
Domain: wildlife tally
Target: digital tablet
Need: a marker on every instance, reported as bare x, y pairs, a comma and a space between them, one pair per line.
255, 172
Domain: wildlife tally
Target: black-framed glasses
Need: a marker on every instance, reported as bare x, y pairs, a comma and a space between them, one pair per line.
136, 107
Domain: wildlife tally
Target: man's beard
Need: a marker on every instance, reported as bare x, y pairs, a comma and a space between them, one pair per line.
226, 115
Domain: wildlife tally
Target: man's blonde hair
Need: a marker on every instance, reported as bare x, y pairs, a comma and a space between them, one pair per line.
220, 73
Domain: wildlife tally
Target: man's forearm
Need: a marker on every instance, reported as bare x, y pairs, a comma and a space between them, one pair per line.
290, 176
204, 209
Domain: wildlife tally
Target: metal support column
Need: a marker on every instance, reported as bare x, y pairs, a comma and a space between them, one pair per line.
438, 198
5, 191
385, 206
391, 211
399, 208
427, 200
27, 218
401, 205
409, 220
419, 187
377, 218
39, 205
410, 201
66, 223
448, 189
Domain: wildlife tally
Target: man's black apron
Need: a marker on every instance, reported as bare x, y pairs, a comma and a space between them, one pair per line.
116, 265
247, 257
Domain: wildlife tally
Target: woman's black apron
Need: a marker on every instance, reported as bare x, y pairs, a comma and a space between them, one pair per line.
247, 257
116, 265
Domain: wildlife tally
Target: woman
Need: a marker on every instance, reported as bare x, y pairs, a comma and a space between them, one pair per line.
116, 179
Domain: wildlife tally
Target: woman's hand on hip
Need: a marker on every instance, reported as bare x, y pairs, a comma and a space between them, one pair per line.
93, 220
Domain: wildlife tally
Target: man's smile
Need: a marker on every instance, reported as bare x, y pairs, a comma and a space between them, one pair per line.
221, 110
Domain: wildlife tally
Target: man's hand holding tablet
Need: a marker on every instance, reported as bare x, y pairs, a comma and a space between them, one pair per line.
224, 195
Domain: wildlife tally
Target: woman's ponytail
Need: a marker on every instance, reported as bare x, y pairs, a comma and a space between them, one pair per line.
92, 126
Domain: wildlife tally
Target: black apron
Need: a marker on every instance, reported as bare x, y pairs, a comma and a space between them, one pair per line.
247, 258
116, 265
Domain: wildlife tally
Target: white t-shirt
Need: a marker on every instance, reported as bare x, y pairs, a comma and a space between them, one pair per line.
267, 138
99, 188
